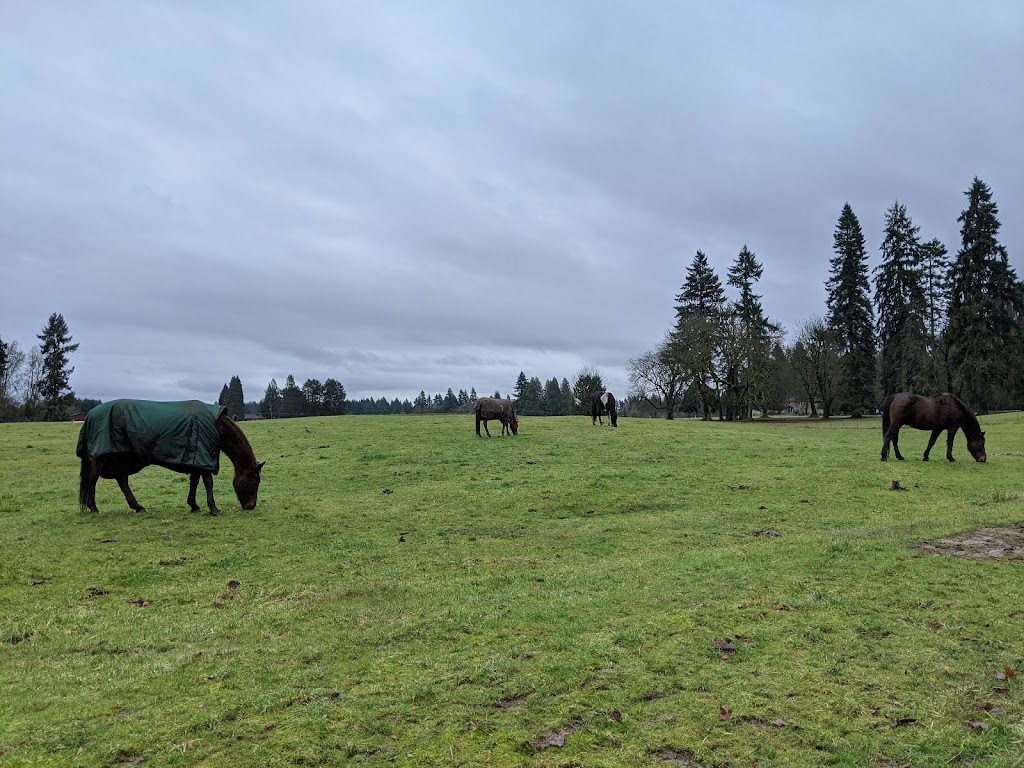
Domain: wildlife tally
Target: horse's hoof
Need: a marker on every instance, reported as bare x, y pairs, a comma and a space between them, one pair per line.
195, 509
215, 512
141, 510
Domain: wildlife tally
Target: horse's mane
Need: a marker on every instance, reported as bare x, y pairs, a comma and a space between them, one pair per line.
234, 442
971, 419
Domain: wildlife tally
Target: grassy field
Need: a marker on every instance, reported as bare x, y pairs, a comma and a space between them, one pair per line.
663, 594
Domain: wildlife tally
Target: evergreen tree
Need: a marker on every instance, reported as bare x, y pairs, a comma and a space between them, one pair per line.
463, 397
850, 317
451, 401
519, 393
552, 398
899, 297
293, 403
334, 402
986, 304
935, 273
223, 398
473, 396
270, 405
565, 394
422, 402
55, 346
313, 394
749, 366
236, 399
587, 382
696, 336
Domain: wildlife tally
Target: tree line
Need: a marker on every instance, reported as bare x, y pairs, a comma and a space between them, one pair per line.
933, 323
531, 396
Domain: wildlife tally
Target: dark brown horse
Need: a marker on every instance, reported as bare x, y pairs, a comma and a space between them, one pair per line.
603, 401
122, 437
937, 412
487, 408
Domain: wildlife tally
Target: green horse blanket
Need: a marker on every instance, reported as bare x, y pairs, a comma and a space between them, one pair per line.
183, 433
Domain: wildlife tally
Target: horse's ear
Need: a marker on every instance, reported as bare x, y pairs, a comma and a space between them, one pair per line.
260, 466
982, 434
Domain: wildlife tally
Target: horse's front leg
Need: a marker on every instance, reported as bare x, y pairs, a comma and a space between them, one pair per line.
949, 443
486, 429
208, 482
193, 484
931, 442
122, 482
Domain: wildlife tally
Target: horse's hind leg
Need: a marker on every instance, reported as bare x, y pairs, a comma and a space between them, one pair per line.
90, 492
894, 438
122, 482
931, 442
208, 482
193, 484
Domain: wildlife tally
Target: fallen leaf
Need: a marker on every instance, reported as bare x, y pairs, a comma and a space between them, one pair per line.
903, 721
780, 723
1006, 674
995, 709
140, 602
978, 725
724, 714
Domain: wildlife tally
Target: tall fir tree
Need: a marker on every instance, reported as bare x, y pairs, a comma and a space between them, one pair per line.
900, 300
935, 283
588, 380
749, 367
236, 399
699, 310
986, 304
54, 347
293, 402
850, 318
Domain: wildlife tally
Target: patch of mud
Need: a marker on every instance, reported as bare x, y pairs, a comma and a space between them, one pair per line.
982, 544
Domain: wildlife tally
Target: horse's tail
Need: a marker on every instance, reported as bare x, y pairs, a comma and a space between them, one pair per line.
886, 420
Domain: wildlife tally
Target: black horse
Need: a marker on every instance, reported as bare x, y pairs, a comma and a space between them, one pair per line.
122, 437
937, 413
603, 401
487, 408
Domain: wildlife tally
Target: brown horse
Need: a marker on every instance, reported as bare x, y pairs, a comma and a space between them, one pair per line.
488, 408
122, 437
937, 412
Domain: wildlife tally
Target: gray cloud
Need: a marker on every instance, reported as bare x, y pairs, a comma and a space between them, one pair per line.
410, 197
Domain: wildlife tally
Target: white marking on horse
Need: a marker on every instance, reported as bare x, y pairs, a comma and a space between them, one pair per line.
604, 399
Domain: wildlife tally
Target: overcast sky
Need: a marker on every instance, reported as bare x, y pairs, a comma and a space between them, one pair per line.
423, 195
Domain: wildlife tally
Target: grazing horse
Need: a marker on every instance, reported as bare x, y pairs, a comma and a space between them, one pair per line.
488, 408
601, 401
937, 412
122, 437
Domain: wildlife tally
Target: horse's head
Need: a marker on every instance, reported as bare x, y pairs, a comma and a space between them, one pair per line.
514, 424
977, 447
247, 484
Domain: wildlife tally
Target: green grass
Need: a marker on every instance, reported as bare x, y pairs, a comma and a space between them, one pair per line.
569, 583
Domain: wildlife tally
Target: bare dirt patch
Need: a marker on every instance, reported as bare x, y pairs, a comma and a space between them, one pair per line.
981, 544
